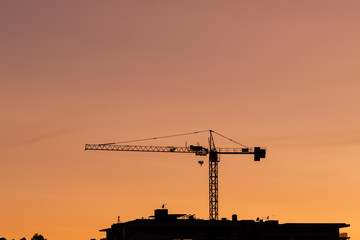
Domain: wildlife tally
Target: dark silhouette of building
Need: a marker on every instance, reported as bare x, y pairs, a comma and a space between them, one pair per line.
164, 226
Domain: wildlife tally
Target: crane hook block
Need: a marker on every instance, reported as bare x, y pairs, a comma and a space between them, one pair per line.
259, 153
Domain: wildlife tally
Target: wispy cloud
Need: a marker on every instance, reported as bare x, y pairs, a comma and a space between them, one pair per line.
35, 138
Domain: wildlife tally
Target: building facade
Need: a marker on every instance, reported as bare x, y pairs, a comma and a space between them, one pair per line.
164, 226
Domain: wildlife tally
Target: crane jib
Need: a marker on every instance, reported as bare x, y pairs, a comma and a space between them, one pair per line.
112, 147
198, 150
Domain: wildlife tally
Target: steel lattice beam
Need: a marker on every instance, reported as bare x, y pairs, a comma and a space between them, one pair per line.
114, 147
213, 190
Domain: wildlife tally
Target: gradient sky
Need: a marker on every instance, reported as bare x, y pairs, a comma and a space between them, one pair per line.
278, 74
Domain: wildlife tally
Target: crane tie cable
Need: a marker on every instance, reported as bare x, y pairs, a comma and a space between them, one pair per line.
175, 135
228, 138
154, 138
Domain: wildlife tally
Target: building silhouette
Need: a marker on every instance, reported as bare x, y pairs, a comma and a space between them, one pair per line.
165, 226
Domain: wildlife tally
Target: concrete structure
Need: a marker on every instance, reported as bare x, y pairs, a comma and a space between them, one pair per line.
164, 226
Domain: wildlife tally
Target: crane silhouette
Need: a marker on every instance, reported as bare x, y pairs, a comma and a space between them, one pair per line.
211, 151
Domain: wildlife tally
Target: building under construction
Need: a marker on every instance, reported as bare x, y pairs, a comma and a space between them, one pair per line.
165, 226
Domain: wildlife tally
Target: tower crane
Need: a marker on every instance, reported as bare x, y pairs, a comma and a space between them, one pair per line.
211, 151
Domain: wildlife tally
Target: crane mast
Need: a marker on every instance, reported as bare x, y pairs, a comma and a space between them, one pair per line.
213, 180
212, 151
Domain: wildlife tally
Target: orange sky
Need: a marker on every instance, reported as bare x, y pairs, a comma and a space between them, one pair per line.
278, 74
